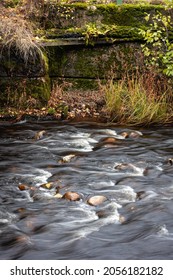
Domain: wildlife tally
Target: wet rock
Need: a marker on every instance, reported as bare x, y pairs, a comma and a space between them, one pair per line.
72, 196
23, 187
140, 195
58, 195
124, 167
20, 210
122, 219
39, 134
102, 214
40, 196
106, 141
51, 185
47, 185
131, 168
135, 134
96, 200
109, 140
131, 134
124, 134
67, 158
170, 161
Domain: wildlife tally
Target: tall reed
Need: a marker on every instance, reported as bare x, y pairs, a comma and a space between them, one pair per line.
138, 100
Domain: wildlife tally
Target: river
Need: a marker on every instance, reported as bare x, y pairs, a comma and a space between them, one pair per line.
134, 174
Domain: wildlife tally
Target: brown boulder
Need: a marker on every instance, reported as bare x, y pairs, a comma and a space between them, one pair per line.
131, 134
67, 158
72, 196
96, 200
107, 141
39, 134
23, 187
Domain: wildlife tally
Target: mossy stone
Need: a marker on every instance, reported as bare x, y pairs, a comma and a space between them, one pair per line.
87, 62
17, 91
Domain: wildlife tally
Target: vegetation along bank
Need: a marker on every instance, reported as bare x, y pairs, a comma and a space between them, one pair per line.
87, 61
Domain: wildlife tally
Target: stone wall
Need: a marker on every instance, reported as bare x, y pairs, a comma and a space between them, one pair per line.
81, 44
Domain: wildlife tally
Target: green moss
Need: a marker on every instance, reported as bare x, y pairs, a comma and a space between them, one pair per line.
17, 91
87, 64
39, 89
20, 81
79, 14
45, 60
130, 15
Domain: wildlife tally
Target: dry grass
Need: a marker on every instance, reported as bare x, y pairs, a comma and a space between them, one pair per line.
138, 100
16, 34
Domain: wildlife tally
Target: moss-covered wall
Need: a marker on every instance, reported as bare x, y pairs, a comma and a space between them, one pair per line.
79, 14
92, 62
20, 78
81, 43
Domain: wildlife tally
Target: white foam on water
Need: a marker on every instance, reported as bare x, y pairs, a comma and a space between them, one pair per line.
130, 169
81, 135
83, 226
163, 231
4, 221
108, 131
39, 176
149, 195
27, 197
81, 144
94, 223
42, 176
138, 170
167, 193
102, 184
6, 217
129, 195
159, 168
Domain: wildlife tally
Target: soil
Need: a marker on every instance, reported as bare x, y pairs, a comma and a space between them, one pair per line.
74, 106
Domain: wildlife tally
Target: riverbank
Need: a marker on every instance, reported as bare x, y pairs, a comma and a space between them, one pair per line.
73, 106
87, 106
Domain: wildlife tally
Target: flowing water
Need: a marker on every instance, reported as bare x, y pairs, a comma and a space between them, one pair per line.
135, 222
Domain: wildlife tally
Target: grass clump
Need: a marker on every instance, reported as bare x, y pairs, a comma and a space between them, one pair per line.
17, 35
135, 100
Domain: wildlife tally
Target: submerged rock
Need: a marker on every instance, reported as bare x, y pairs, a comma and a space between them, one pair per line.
51, 185
23, 187
106, 141
96, 200
122, 219
47, 185
170, 161
109, 140
67, 158
131, 134
140, 195
58, 195
72, 196
124, 134
125, 167
39, 134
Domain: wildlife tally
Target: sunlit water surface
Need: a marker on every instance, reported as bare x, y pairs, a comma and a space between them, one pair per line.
35, 225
